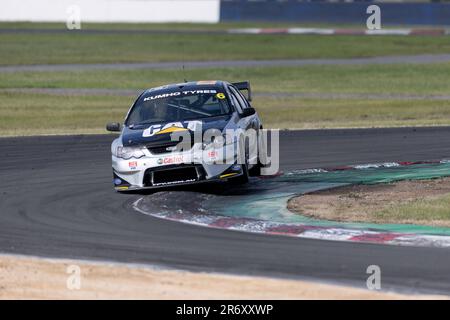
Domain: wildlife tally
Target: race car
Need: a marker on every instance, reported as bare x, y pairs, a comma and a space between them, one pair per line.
187, 133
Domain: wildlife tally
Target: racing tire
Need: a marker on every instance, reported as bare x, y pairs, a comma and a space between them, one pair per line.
255, 171
243, 178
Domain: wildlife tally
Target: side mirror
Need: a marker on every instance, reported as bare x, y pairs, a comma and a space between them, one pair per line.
113, 127
247, 112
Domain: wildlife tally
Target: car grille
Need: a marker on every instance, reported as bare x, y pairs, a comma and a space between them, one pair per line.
173, 175
164, 148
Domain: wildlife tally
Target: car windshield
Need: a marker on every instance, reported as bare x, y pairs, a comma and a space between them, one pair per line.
178, 106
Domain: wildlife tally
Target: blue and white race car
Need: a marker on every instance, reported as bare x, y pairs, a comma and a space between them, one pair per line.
187, 133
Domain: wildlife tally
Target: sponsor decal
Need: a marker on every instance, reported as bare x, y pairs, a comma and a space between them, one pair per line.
213, 155
173, 160
162, 96
179, 93
220, 95
132, 164
236, 167
171, 127
203, 82
174, 182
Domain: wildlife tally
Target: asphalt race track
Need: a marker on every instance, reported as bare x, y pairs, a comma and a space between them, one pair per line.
421, 59
57, 200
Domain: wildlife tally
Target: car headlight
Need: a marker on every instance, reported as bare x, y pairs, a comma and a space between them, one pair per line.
129, 152
217, 142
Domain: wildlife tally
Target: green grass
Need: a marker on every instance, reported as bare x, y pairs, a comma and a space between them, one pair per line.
371, 79
22, 113
37, 48
42, 113
436, 211
27, 114
344, 113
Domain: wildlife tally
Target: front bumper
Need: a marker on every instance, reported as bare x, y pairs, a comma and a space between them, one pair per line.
170, 169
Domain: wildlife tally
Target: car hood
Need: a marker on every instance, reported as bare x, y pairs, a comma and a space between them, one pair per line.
157, 134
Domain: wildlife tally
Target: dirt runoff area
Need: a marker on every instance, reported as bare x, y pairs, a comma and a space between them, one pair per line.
36, 278
422, 202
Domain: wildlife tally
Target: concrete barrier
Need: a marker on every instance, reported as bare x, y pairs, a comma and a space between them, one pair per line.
111, 10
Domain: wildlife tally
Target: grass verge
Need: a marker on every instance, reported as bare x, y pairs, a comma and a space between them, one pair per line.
28, 114
363, 79
78, 47
420, 211
418, 202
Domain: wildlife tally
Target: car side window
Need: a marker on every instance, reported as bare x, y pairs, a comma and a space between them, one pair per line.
240, 104
235, 103
246, 103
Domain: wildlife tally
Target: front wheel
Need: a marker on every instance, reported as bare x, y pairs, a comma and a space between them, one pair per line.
255, 171
243, 178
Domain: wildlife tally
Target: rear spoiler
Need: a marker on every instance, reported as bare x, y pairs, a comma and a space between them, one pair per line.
244, 86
